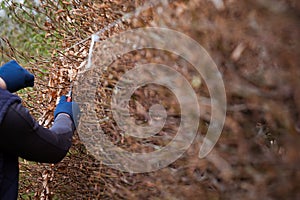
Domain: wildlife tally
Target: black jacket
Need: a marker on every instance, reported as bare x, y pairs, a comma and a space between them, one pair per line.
22, 136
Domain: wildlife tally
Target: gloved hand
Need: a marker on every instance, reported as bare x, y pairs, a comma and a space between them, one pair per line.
15, 76
70, 108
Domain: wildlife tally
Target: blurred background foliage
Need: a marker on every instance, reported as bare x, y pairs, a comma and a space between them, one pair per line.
19, 36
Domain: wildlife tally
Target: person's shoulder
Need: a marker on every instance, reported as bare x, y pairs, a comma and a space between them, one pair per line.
7, 97
5, 94
6, 100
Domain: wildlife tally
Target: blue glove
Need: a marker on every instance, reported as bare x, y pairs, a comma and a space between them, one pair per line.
70, 108
15, 76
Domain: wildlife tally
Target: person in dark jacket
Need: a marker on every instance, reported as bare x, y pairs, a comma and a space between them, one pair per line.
22, 136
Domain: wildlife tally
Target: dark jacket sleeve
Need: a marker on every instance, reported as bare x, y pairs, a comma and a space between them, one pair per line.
21, 135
